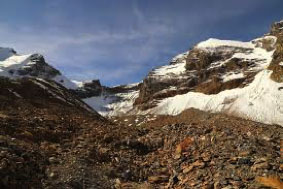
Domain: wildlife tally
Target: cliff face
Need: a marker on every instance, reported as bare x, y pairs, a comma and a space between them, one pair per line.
89, 89
277, 63
164, 82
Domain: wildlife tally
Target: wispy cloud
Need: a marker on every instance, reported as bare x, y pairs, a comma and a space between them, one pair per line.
118, 41
94, 53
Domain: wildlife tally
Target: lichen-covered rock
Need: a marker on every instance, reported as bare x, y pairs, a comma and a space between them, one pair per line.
277, 63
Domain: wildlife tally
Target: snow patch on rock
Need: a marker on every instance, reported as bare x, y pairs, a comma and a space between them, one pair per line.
232, 76
175, 69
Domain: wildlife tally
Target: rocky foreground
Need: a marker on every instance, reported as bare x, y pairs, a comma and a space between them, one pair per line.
191, 150
201, 150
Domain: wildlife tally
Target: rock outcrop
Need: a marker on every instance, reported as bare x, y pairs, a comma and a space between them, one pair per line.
164, 82
89, 89
277, 63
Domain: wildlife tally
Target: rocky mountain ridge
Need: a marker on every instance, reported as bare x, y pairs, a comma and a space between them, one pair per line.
215, 75
209, 71
211, 66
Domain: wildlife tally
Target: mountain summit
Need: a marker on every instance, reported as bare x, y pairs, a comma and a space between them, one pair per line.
13, 65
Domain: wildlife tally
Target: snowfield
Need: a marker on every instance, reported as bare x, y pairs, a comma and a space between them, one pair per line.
113, 105
261, 101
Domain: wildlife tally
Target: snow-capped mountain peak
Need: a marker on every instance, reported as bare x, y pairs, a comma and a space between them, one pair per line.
14, 66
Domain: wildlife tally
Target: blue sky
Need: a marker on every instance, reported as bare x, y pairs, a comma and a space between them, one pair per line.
119, 41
